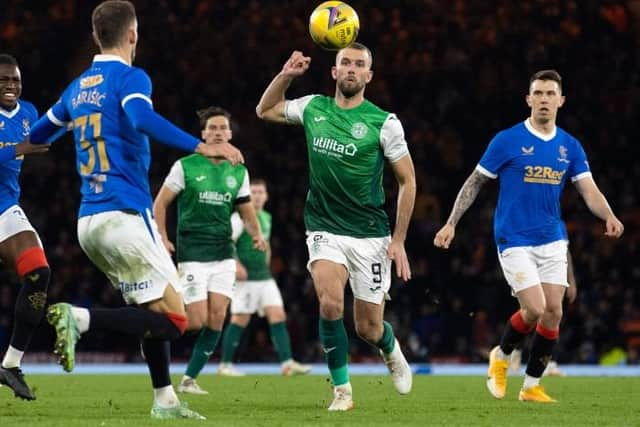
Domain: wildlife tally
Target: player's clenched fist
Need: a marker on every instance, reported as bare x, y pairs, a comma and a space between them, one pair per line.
296, 65
614, 227
444, 236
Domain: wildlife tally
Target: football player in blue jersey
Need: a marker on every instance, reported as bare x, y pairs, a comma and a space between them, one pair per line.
533, 160
20, 246
110, 108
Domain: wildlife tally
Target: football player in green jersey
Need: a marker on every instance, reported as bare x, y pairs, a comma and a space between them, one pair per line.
348, 231
256, 291
208, 191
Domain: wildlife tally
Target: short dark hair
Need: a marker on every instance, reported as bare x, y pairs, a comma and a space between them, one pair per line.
552, 75
206, 113
6, 59
258, 181
359, 46
110, 20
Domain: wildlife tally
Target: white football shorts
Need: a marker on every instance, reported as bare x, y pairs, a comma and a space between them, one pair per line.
254, 295
527, 266
14, 221
366, 261
199, 278
130, 252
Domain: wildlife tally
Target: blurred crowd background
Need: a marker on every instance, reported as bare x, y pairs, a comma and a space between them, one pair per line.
454, 71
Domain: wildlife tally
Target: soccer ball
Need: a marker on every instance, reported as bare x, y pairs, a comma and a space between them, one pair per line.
334, 25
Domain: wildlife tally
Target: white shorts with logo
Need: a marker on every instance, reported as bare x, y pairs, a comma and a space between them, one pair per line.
366, 261
254, 295
527, 266
130, 252
199, 278
14, 221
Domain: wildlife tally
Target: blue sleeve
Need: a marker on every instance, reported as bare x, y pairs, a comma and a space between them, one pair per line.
44, 131
135, 84
135, 98
579, 164
48, 128
7, 153
495, 157
147, 121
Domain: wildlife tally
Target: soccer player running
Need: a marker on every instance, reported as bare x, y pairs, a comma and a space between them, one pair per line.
109, 106
348, 238
256, 291
533, 159
208, 192
20, 247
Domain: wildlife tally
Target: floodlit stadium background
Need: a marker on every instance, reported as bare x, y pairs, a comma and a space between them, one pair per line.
455, 72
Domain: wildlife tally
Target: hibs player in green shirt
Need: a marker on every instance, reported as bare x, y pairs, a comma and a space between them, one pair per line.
348, 231
208, 190
256, 291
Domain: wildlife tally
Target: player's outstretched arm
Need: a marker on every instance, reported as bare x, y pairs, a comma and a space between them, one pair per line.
252, 226
144, 119
406, 177
10, 152
598, 205
163, 200
466, 196
272, 102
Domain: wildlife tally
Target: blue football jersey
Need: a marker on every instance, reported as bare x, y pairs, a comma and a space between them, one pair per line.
112, 157
533, 169
14, 126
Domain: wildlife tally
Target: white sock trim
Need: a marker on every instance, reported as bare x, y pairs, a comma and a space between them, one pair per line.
530, 381
165, 397
82, 318
12, 358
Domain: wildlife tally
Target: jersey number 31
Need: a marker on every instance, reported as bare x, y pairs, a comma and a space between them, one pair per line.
92, 144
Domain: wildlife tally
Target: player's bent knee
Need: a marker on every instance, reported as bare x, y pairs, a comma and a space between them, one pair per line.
331, 308
30, 260
180, 322
215, 320
369, 331
533, 313
241, 320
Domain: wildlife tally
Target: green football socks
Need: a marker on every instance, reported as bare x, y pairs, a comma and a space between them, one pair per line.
202, 350
335, 343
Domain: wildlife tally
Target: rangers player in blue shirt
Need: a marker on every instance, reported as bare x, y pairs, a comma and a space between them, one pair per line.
110, 109
533, 160
20, 247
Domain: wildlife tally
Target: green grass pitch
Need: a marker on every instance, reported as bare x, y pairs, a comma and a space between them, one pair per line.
91, 400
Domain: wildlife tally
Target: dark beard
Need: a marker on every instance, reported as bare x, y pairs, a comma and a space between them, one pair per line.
349, 91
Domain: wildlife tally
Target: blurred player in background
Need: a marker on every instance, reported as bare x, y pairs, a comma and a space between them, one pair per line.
533, 160
208, 191
348, 232
256, 291
20, 246
110, 108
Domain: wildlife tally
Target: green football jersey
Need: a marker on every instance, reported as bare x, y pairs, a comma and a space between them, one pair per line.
346, 149
255, 261
205, 204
